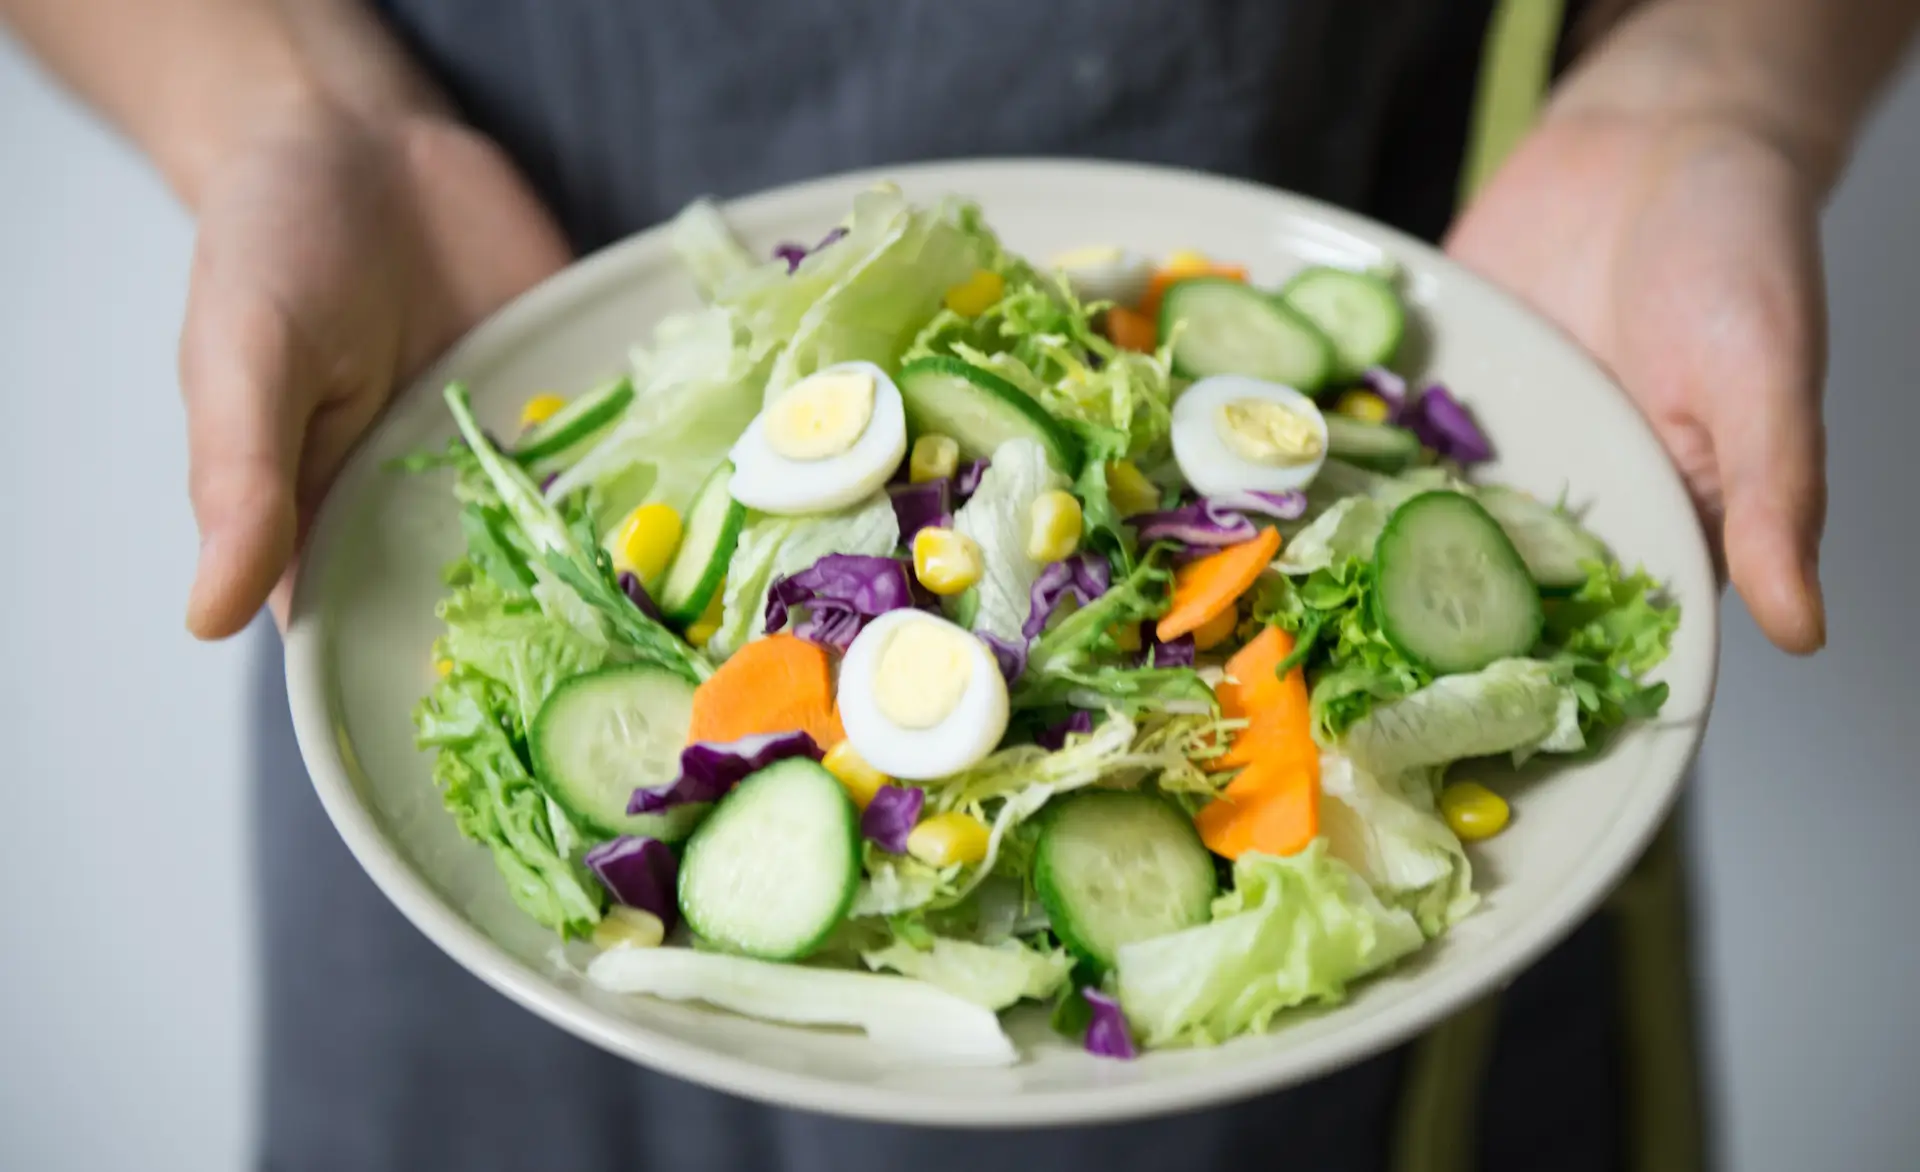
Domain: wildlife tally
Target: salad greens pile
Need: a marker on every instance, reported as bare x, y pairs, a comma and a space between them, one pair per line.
916, 632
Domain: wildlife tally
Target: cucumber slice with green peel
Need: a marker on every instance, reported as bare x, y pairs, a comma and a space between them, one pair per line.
1380, 447
1114, 867
1552, 544
602, 735
575, 426
773, 870
714, 521
1229, 327
1451, 593
980, 410
1358, 312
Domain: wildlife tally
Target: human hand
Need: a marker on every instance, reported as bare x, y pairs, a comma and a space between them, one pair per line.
336, 257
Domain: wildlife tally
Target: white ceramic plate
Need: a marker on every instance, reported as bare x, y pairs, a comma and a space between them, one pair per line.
363, 623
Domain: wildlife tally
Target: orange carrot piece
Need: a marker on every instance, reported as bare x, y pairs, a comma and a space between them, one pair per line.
1164, 279
1204, 588
1276, 710
1216, 630
777, 684
1273, 807
1130, 329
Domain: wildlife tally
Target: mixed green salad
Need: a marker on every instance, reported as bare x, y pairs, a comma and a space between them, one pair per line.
917, 631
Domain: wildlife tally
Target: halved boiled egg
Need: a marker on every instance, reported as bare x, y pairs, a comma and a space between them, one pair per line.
921, 697
830, 440
1105, 273
1232, 433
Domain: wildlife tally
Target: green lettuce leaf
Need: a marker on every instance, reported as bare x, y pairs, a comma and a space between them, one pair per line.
486, 785
695, 391
1077, 644
518, 643
1293, 930
708, 248
1342, 535
1516, 706
996, 518
1391, 832
993, 975
774, 547
1610, 633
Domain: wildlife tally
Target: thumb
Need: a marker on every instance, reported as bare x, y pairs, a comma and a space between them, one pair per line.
1771, 452
244, 419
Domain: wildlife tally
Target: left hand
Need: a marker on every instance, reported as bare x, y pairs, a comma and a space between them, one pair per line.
1683, 252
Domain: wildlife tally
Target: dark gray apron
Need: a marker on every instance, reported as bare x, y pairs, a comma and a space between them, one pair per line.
381, 1054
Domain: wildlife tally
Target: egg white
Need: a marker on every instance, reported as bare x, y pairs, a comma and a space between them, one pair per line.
763, 479
1212, 467
961, 739
1122, 279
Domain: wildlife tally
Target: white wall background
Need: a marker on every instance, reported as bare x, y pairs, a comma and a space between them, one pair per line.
126, 1012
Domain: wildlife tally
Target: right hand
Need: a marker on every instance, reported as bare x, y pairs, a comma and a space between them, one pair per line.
335, 259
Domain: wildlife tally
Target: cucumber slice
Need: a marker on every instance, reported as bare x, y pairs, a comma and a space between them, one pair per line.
714, 521
773, 869
1232, 328
1551, 543
602, 735
1113, 867
575, 426
980, 410
1380, 447
1358, 312
1450, 591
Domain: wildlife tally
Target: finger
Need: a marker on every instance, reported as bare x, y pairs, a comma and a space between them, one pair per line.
244, 417
1772, 456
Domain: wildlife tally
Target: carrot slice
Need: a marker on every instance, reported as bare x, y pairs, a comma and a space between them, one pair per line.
1130, 329
1204, 588
1276, 710
777, 684
1273, 807
1164, 279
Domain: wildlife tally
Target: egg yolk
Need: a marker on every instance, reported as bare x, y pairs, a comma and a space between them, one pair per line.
820, 417
1264, 432
921, 674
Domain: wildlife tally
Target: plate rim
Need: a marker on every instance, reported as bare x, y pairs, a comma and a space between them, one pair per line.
310, 690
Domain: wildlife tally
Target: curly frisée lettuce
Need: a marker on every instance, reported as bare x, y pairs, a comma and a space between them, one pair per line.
1293, 930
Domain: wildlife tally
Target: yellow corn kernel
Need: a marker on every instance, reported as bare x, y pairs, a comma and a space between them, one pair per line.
443, 667
1187, 261
1473, 811
1130, 490
1125, 636
946, 839
1053, 526
1365, 406
645, 541
945, 562
1216, 630
861, 779
541, 408
708, 624
935, 457
977, 294
628, 927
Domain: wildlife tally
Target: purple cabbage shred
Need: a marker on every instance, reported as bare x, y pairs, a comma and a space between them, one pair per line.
708, 769
638, 872
841, 592
1108, 1035
1053, 738
892, 815
1083, 577
637, 594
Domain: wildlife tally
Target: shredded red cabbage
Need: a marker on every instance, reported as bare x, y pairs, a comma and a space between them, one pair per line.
637, 594
708, 769
1176, 652
966, 481
1053, 738
1012, 657
891, 816
793, 253
1214, 522
918, 506
1389, 386
1108, 1035
1444, 424
1084, 577
639, 872
842, 592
